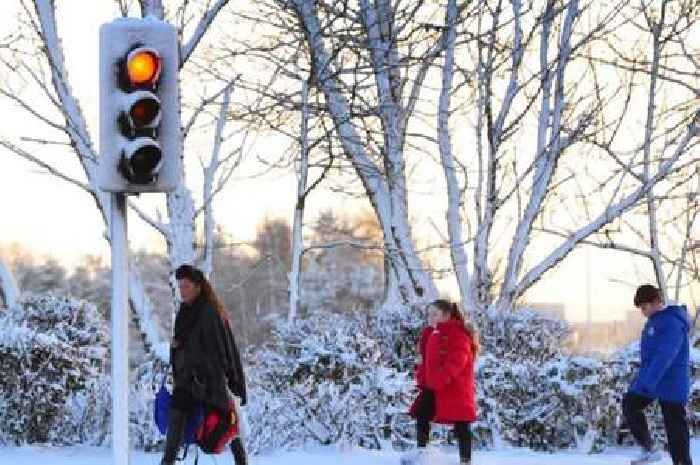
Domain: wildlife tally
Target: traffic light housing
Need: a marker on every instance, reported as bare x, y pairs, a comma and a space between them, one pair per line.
140, 139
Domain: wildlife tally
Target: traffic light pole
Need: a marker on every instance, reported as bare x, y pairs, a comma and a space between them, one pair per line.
120, 331
140, 149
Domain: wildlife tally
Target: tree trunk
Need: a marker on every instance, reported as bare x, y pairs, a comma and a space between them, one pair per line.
387, 194
9, 291
454, 194
297, 227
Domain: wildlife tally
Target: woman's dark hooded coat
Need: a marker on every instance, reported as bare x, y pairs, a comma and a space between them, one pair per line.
206, 362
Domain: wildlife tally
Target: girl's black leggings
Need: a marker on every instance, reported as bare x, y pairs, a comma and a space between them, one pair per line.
462, 431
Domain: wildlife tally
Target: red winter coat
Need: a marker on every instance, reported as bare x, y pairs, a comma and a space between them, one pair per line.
447, 368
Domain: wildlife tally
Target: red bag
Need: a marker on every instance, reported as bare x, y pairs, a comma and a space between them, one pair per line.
217, 430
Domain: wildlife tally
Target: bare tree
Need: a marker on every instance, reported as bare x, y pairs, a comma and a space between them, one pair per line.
369, 61
670, 76
513, 187
449, 165
662, 65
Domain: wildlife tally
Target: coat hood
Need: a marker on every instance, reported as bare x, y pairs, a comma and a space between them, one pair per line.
680, 312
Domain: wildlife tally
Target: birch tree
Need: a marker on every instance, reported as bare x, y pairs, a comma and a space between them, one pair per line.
369, 61
513, 182
663, 62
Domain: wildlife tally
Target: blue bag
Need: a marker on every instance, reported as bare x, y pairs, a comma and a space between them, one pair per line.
162, 408
162, 412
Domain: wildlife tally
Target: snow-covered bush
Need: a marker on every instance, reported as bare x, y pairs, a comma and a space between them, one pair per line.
338, 377
355, 285
618, 371
343, 377
143, 433
324, 379
52, 355
521, 399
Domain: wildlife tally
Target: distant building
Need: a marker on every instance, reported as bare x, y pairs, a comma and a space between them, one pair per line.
606, 336
555, 310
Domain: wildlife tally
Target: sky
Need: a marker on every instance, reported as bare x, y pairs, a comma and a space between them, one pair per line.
48, 216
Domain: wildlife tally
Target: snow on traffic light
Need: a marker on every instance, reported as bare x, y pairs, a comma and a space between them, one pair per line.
139, 106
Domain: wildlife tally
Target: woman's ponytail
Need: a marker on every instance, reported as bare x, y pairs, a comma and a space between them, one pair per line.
452, 309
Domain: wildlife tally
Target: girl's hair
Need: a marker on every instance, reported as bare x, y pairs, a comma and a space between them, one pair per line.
452, 309
196, 275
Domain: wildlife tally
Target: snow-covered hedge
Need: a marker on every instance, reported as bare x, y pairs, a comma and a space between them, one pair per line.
325, 379
349, 378
143, 433
52, 355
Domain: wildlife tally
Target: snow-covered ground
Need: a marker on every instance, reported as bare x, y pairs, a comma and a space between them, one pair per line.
321, 456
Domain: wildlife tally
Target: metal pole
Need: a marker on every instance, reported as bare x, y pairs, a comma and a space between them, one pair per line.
120, 327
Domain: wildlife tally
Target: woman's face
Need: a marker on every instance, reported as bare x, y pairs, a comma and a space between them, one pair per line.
435, 316
189, 291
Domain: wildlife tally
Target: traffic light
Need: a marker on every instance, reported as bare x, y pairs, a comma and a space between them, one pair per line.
140, 140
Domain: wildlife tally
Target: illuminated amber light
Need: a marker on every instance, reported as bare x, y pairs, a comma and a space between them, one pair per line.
143, 67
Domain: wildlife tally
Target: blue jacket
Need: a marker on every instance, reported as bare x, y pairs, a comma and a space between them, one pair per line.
665, 352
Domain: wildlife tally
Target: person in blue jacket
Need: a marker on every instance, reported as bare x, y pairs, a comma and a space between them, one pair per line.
664, 374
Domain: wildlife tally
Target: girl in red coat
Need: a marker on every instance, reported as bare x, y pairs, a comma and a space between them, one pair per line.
448, 347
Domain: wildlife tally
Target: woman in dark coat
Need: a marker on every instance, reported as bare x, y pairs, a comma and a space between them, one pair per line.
206, 364
448, 347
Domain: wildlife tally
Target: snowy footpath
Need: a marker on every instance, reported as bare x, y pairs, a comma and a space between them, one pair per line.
320, 456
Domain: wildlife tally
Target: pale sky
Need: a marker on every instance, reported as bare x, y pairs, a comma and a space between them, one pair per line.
49, 216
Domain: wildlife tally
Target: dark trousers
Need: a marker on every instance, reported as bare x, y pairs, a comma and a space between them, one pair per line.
182, 406
462, 431
177, 422
675, 422
238, 451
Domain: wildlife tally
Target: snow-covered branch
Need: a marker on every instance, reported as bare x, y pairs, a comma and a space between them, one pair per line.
45, 166
209, 174
548, 153
386, 193
153, 8
302, 173
454, 191
610, 213
202, 27
148, 219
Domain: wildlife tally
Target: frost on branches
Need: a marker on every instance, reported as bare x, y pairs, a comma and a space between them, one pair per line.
52, 352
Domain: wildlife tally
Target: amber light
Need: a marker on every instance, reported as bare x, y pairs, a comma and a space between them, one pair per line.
143, 67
